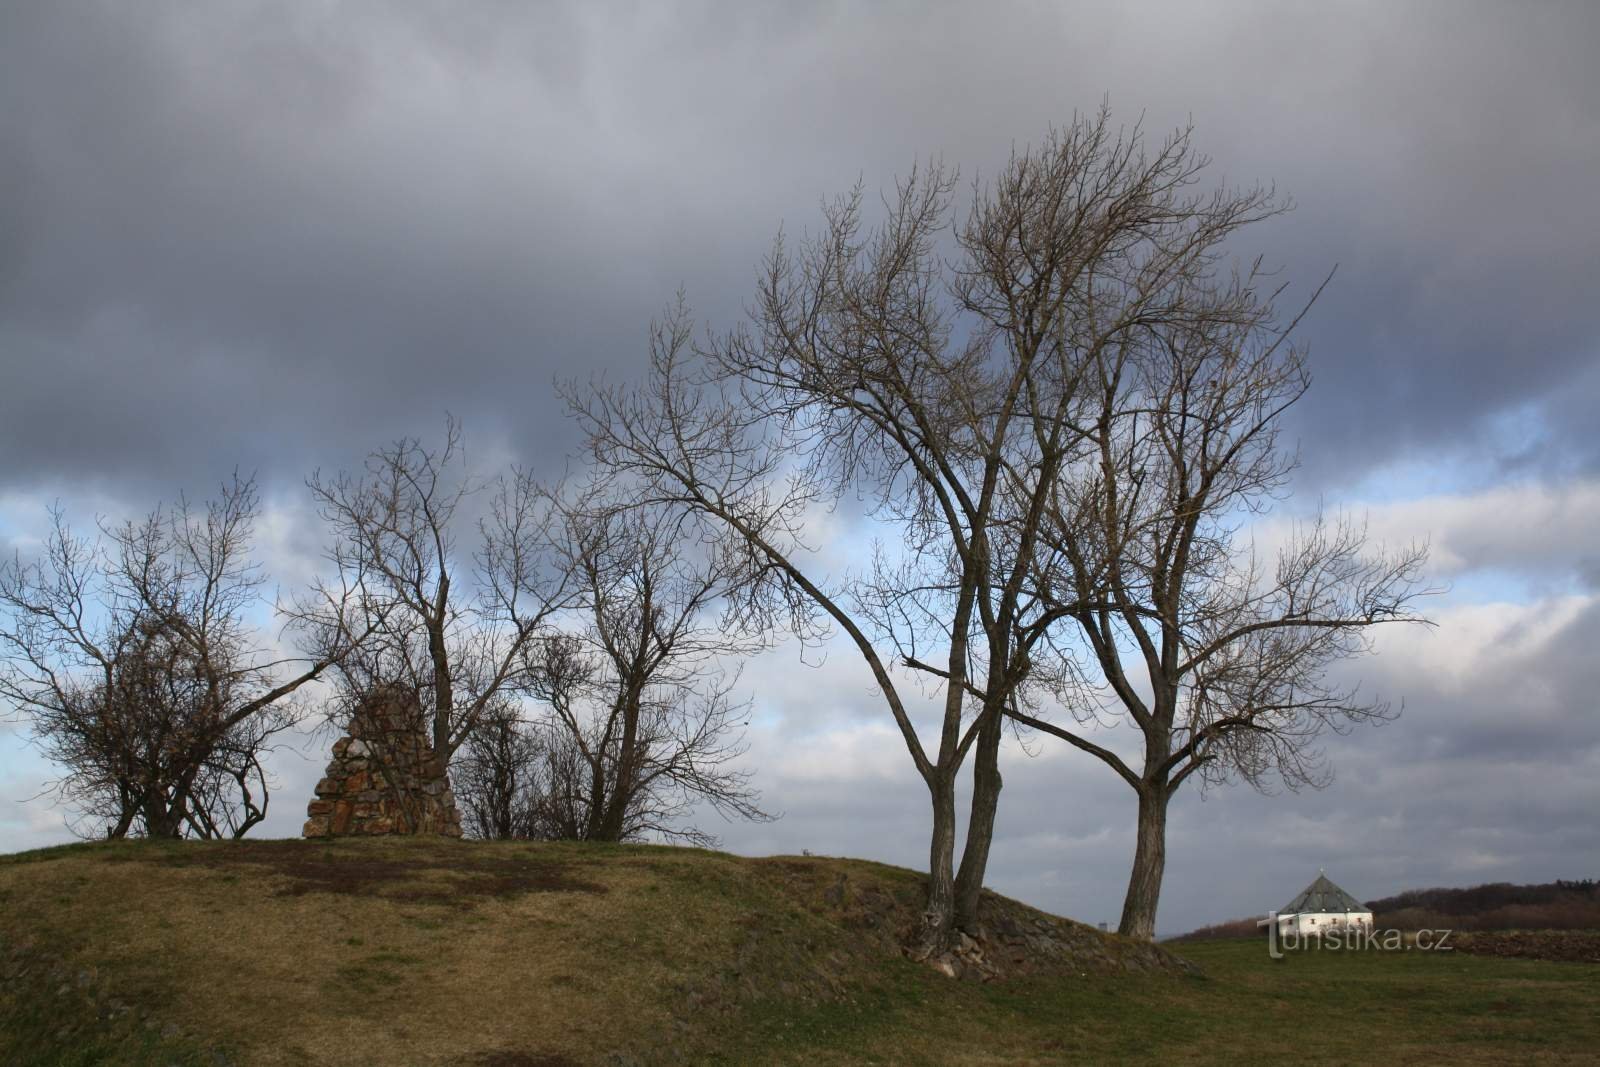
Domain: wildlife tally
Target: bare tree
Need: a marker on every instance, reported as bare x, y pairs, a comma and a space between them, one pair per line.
122, 740
947, 392
456, 639
500, 777
634, 725
1166, 599
637, 695
133, 658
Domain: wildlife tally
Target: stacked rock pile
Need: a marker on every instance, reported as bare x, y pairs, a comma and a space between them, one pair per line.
384, 777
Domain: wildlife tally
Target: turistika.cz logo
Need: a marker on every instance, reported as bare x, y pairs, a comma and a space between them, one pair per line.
1359, 938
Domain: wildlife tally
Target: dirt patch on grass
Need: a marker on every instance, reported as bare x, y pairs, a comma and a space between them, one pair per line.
525, 1059
1565, 946
459, 877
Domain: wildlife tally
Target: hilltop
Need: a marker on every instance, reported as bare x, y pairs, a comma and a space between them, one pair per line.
438, 951
435, 952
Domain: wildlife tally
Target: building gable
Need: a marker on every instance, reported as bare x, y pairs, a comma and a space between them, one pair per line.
1323, 896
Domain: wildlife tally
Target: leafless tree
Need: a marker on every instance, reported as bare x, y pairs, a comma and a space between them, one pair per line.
133, 658
122, 741
500, 776
639, 700
454, 634
631, 725
938, 367
1175, 624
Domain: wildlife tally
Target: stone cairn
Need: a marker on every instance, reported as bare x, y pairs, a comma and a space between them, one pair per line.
384, 777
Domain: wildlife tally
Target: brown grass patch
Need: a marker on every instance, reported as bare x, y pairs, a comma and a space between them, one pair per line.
469, 874
1566, 946
525, 1059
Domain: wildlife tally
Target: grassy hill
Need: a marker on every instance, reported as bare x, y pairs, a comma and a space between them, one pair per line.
511, 955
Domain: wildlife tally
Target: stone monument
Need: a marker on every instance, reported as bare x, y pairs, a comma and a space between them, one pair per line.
384, 777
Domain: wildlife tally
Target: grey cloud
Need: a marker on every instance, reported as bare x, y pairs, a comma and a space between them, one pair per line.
1528, 693
1537, 530
264, 236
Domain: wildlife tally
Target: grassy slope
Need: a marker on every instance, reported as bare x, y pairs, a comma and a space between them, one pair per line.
515, 955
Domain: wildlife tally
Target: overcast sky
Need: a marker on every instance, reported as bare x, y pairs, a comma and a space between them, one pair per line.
273, 236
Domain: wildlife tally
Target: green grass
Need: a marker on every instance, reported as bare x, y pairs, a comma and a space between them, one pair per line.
434, 952
1372, 1007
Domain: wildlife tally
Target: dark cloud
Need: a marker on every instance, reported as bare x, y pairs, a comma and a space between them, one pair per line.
273, 237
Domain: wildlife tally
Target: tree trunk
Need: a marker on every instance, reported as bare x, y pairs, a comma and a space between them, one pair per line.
938, 917
444, 696
597, 798
1149, 864
505, 793
621, 792
161, 820
128, 805
986, 786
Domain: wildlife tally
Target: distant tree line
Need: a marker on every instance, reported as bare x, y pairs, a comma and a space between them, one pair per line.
1559, 905
1054, 404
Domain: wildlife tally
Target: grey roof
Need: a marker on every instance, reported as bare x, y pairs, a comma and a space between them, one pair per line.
1322, 895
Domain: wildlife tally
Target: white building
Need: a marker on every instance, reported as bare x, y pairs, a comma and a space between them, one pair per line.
1320, 908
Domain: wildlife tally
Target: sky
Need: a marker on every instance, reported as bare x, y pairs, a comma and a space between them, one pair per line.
272, 237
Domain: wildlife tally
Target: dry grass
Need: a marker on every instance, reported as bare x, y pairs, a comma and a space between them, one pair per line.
426, 952
515, 955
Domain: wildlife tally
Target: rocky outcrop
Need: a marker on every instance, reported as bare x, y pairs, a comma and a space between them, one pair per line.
384, 777
1016, 940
